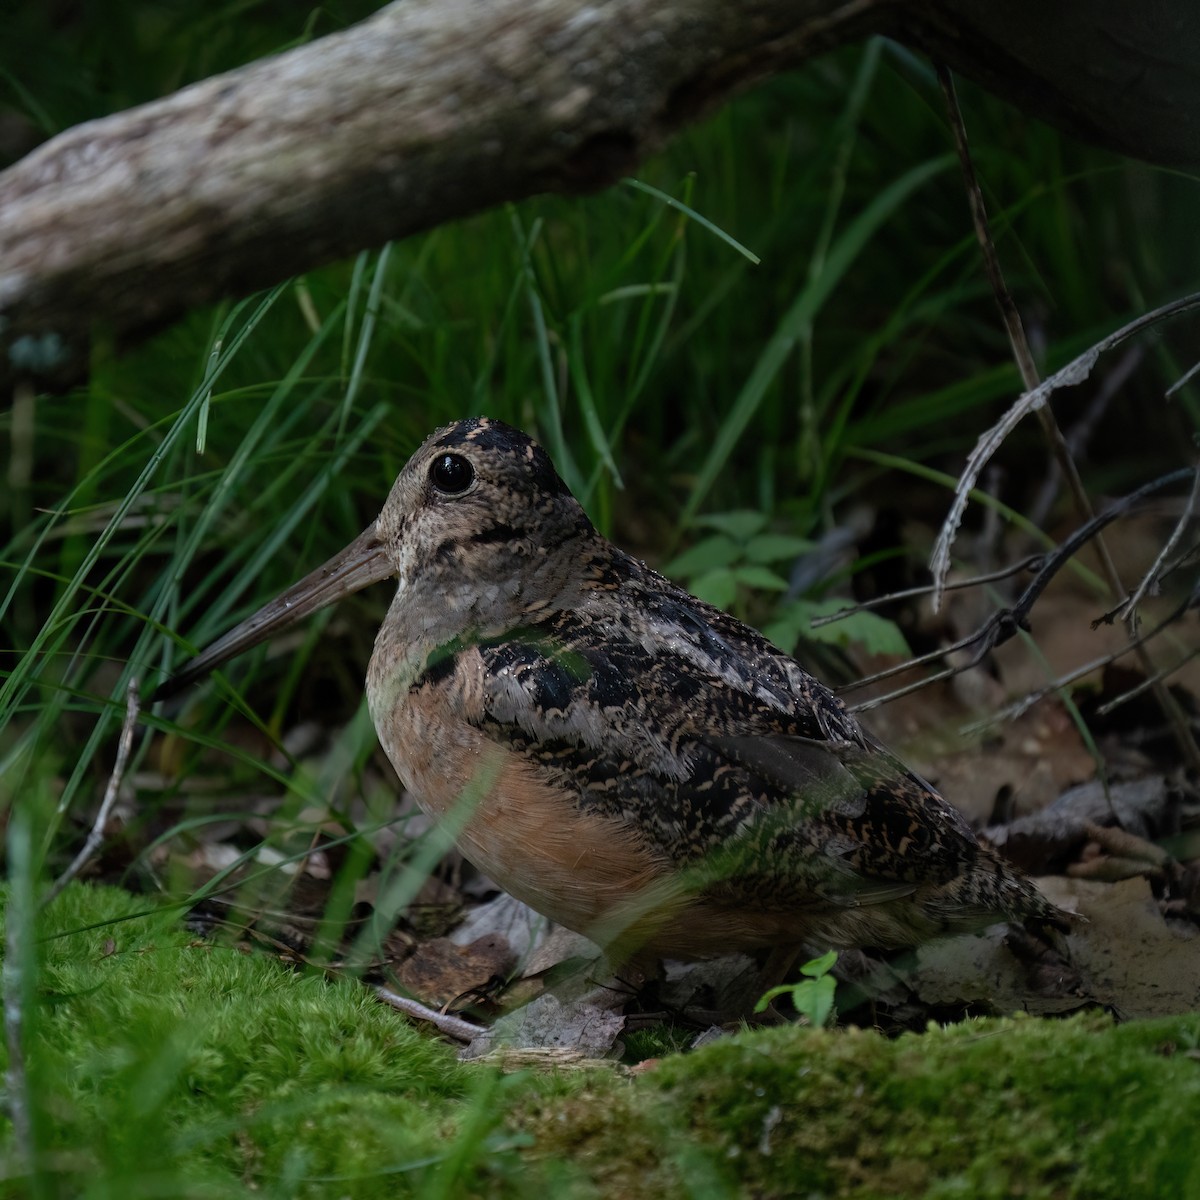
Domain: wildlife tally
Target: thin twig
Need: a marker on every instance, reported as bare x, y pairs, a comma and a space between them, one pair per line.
991, 261
1031, 563
96, 835
1005, 622
1184, 560
455, 1027
1075, 372
1133, 693
908, 689
1018, 708
902, 668
1128, 609
1183, 381
1076, 673
1037, 392
1080, 434
1012, 318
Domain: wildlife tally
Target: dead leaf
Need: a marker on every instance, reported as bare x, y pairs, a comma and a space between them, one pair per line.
1129, 956
980, 971
439, 971
587, 1022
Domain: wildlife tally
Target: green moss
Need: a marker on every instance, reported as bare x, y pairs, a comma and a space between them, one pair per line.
988, 1108
164, 1057
161, 1064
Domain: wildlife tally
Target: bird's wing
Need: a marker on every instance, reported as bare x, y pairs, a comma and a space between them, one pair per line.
701, 760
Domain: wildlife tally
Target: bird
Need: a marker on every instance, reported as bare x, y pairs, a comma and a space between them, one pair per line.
628, 760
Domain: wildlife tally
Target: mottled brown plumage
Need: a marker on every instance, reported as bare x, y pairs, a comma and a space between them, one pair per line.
633, 763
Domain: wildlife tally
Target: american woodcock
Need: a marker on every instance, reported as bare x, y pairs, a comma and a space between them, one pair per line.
628, 760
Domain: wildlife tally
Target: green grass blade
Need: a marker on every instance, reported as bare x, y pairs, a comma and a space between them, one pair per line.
842, 255
699, 218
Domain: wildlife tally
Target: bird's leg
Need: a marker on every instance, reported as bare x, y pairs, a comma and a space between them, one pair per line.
775, 967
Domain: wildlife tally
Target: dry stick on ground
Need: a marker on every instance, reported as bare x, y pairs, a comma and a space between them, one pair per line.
427, 111
455, 1027
96, 834
1125, 856
1050, 428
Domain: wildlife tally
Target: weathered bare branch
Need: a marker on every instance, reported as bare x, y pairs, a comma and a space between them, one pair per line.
428, 111
434, 109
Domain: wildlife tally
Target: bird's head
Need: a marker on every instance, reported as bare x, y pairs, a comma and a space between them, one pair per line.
478, 516
476, 529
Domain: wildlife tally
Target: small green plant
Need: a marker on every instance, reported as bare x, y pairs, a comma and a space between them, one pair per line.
812, 997
741, 552
866, 630
744, 554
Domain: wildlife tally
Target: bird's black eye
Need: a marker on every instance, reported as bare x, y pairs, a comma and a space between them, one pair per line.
452, 474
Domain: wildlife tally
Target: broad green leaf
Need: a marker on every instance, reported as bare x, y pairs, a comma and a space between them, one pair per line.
717, 587
776, 547
785, 630
741, 525
814, 998
811, 997
875, 634
706, 555
760, 577
816, 967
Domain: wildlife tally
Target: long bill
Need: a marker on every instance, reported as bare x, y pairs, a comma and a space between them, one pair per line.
363, 562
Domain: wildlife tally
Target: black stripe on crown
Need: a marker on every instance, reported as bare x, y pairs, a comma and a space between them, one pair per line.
496, 437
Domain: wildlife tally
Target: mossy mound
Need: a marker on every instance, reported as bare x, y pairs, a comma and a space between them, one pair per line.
159, 1063
987, 1108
